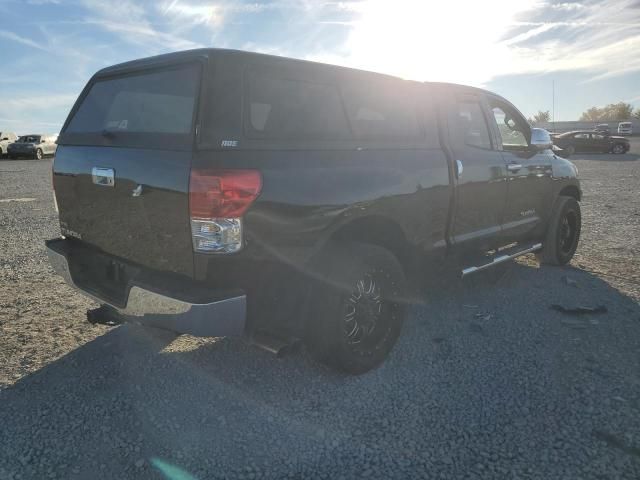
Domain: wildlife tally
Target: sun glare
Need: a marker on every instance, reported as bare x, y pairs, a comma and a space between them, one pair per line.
461, 41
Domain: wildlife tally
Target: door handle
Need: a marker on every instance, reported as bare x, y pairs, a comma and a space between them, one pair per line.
103, 176
514, 167
459, 168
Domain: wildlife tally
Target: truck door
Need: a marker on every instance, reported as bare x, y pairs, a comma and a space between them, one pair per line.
480, 176
529, 173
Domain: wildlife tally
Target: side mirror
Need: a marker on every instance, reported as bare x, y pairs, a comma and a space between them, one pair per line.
540, 139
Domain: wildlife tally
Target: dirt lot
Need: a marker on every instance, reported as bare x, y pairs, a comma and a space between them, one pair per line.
486, 382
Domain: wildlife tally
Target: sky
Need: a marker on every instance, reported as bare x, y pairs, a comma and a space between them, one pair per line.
589, 49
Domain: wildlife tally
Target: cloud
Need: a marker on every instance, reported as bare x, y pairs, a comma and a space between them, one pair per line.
215, 14
196, 14
131, 21
473, 42
31, 113
566, 6
39, 102
531, 33
23, 40
144, 35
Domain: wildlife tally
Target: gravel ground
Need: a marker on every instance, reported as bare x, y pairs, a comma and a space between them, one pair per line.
486, 381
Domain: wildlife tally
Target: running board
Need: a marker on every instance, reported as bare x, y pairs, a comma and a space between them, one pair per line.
501, 259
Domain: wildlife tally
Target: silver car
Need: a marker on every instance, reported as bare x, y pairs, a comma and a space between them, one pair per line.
33, 146
6, 138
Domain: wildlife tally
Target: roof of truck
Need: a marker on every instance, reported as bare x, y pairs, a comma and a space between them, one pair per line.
186, 55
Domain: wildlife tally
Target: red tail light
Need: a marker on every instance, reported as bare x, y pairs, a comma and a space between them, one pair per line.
222, 193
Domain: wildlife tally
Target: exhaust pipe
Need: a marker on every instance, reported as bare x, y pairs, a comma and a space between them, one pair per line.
104, 315
272, 344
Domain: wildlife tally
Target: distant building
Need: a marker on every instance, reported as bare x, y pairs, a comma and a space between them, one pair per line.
559, 127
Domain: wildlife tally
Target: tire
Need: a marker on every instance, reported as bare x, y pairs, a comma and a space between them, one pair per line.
618, 149
570, 150
39, 154
357, 307
563, 233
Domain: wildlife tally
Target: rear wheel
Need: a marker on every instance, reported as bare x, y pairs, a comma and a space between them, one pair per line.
618, 148
357, 307
39, 154
563, 233
570, 150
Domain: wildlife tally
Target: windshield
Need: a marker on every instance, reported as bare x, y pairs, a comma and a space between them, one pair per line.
29, 139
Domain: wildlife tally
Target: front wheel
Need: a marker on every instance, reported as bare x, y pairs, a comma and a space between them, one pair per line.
357, 307
563, 233
39, 154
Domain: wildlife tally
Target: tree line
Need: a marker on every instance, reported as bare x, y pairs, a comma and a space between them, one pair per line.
613, 111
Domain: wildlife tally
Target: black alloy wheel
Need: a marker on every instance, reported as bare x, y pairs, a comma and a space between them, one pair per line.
357, 307
563, 233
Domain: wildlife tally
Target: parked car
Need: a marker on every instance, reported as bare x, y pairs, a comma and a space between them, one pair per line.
218, 192
33, 146
6, 138
625, 128
590, 142
603, 127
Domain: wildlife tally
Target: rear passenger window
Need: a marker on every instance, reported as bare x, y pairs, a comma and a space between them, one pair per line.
472, 125
382, 110
287, 109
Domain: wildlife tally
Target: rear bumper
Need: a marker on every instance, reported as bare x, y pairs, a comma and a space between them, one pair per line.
212, 314
21, 154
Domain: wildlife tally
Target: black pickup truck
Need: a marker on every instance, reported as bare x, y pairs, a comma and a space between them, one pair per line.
218, 192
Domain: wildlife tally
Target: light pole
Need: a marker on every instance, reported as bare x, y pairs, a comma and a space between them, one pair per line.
553, 104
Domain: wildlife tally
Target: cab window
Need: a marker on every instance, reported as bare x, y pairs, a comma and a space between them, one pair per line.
472, 125
282, 108
512, 128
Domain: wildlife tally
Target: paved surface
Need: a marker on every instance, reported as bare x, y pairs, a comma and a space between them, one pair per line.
486, 381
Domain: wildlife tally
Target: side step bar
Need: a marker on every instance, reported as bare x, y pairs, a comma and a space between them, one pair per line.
501, 259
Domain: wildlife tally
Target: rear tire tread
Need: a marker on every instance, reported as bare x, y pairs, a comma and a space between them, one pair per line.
338, 268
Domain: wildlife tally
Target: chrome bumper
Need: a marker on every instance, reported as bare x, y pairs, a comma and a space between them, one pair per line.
219, 318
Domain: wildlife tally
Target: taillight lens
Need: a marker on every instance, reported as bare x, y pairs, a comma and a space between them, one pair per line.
217, 201
223, 193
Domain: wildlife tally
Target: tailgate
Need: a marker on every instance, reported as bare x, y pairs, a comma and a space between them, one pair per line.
143, 216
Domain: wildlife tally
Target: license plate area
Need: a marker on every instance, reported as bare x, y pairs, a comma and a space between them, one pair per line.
103, 276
